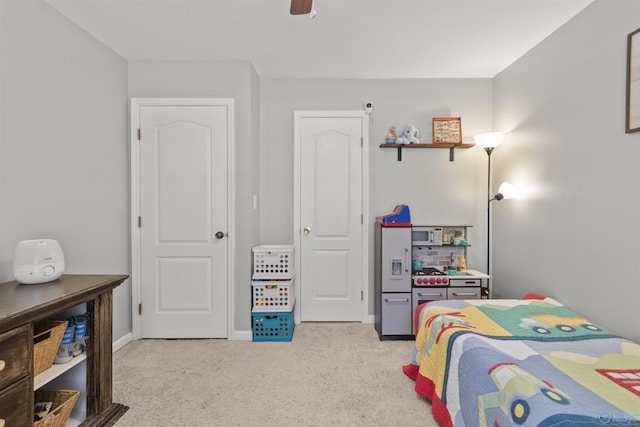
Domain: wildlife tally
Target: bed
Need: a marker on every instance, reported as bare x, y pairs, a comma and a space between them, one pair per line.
530, 362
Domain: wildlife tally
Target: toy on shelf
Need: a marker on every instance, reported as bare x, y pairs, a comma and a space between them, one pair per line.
409, 135
391, 136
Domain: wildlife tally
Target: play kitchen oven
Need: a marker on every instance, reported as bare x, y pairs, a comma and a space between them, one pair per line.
456, 289
431, 284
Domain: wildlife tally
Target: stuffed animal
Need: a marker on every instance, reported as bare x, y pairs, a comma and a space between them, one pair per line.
408, 135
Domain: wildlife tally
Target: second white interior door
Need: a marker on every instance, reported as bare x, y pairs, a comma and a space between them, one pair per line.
330, 276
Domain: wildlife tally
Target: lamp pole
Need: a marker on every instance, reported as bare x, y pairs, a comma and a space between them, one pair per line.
489, 150
489, 141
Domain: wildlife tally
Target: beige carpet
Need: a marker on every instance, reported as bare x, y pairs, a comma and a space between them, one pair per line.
336, 374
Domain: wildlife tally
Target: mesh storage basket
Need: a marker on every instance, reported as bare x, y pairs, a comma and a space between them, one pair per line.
273, 295
273, 262
273, 326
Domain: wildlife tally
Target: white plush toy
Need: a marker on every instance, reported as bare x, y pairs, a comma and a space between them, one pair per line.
409, 135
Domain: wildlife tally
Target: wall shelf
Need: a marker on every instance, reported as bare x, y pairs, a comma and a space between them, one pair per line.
451, 148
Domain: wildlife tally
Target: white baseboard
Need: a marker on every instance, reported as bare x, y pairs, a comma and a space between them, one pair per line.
241, 336
119, 343
237, 336
371, 319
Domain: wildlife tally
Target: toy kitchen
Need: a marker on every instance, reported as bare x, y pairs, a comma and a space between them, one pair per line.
415, 264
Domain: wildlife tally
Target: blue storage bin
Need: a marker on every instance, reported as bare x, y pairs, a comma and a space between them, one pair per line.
273, 326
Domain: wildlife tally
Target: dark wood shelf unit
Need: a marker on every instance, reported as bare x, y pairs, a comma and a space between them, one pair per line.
22, 305
450, 147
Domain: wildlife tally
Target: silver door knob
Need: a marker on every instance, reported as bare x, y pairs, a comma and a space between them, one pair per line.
307, 230
219, 235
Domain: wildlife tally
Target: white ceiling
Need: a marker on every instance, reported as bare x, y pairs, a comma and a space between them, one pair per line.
347, 38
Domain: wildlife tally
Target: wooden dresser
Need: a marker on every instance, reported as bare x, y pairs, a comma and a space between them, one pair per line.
20, 307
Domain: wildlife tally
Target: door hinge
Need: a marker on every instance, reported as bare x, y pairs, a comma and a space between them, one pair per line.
361, 141
139, 222
140, 309
139, 134
361, 218
361, 295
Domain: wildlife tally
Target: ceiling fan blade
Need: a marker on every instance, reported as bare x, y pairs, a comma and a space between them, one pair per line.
301, 7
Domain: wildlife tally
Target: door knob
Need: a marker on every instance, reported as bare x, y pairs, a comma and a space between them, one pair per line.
307, 230
219, 235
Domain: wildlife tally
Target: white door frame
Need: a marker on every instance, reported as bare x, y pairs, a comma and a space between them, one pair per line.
297, 231
134, 166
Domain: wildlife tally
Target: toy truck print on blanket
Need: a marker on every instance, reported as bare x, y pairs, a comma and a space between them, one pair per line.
545, 323
524, 362
516, 388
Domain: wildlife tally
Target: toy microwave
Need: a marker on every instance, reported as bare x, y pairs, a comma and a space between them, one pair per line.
400, 217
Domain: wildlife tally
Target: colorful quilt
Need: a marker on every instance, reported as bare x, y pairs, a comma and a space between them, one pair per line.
530, 362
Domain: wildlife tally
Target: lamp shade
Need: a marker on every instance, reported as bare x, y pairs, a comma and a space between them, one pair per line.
489, 140
508, 190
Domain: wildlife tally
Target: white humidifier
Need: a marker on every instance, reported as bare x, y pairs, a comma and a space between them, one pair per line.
38, 261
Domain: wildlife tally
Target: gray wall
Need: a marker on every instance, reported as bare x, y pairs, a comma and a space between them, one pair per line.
575, 236
436, 190
63, 145
231, 79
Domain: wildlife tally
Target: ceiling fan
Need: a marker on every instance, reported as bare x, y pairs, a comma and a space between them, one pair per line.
301, 7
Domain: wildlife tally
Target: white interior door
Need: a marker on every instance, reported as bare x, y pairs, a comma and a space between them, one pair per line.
330, 272
183, 204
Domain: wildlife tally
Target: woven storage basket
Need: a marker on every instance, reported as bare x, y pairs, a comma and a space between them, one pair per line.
63, 403
47, 336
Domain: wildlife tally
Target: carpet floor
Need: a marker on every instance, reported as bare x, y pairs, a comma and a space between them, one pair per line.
330, 374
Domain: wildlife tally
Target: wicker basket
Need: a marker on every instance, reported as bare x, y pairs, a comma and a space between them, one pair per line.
47, 336
63, 403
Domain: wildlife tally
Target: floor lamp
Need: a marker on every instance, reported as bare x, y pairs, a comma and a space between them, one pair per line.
489, 141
